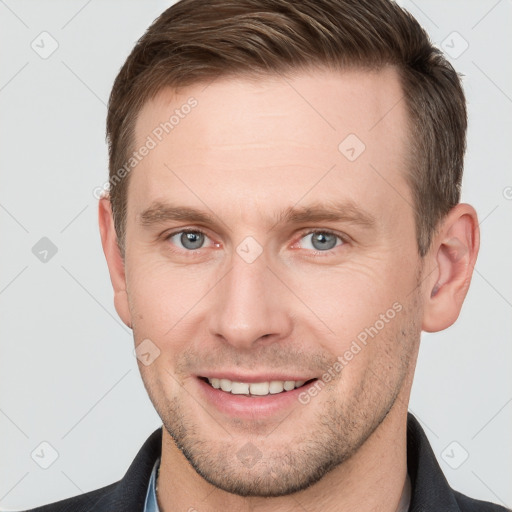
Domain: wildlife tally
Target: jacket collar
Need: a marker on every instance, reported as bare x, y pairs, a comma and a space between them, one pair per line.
429, 486
130, 492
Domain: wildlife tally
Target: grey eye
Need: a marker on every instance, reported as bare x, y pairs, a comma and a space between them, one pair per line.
190, 240
321, 241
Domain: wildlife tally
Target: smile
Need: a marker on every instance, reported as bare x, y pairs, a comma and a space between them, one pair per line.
252, 397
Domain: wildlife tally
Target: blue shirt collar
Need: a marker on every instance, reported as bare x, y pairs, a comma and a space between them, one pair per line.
151, 504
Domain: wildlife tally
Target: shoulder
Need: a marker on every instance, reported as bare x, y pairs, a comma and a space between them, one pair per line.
467, 504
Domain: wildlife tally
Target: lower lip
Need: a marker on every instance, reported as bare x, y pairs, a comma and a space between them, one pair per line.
250, 407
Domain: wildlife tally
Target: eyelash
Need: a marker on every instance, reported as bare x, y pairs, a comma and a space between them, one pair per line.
342, 238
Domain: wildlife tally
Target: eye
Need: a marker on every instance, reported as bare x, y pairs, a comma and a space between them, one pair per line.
320, 241
189, 239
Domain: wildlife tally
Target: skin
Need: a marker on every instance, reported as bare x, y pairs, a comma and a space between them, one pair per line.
246, 153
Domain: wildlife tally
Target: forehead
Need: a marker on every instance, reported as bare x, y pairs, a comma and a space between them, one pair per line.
275, 140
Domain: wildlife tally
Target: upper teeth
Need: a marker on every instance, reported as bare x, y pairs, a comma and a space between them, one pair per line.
255, 388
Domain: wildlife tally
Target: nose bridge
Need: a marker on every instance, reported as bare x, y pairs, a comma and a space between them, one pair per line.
247, 306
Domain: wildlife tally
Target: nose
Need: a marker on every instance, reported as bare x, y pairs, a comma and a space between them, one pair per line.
250, 306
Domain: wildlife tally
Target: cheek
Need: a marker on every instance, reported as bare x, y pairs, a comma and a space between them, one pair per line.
162, 297
351, 297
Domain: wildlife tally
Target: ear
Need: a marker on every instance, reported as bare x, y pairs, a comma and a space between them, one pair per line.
114, 260
452, 257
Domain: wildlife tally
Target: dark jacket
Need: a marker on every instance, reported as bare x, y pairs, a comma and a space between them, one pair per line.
430, 490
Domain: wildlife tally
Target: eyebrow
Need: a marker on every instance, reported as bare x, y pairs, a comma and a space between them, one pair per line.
346, 211
159, 212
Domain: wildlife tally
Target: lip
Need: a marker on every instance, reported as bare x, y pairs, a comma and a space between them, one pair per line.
247, 407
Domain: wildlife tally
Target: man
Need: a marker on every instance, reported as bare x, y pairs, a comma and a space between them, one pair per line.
283, 221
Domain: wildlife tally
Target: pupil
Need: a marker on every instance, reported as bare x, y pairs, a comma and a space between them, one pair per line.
324, 241
192, 240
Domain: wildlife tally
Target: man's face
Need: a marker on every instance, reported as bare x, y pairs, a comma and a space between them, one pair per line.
298, 248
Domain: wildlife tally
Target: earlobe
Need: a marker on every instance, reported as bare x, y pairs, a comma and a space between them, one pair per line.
453, 254
114, 259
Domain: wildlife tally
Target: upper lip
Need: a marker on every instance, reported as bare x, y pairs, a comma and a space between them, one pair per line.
260, 377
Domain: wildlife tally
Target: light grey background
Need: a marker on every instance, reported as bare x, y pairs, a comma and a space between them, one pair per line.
67, 371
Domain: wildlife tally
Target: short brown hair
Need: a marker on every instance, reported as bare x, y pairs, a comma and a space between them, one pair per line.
196, 41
